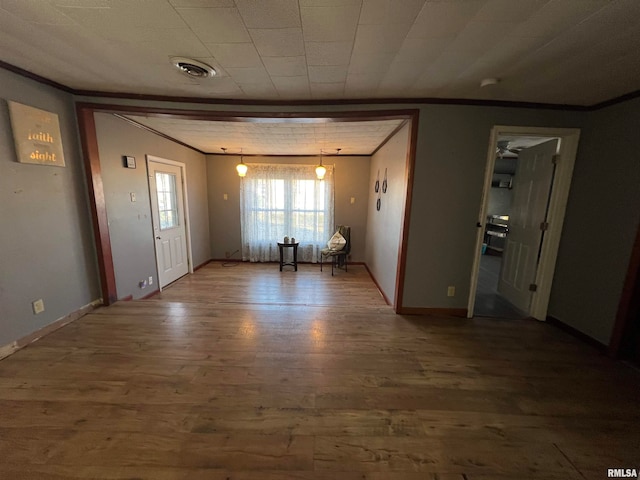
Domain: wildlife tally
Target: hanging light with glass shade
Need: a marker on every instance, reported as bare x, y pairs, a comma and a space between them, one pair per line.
241, 168
321, 170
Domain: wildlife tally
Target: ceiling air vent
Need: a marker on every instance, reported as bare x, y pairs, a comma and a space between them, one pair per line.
193, 68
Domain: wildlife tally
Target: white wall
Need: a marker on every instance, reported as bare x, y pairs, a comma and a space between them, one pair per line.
384, 226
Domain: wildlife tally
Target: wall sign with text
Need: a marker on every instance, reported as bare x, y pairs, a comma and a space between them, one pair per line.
36, 134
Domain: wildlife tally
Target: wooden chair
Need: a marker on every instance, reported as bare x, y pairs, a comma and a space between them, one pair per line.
338, 257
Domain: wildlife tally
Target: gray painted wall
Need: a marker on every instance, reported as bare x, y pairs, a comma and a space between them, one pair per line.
601, 223
50, 203
450, 162
351, 177
130, 226
449, 173
46, 241
385, 226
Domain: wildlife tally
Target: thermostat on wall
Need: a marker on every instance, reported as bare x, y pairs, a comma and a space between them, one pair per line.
129, 162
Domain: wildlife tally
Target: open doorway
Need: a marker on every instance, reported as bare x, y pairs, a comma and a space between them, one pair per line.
517, 206
527, 182
177, 117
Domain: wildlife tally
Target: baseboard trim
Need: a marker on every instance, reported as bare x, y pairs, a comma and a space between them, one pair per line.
195, 269
13, 347
434, 312
386, 299
150, 294
9, 349
239, 260
578, 334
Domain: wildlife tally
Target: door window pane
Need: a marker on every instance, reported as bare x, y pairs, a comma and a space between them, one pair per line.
167, 200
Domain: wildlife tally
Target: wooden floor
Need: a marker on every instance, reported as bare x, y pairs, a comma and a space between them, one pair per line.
246, 373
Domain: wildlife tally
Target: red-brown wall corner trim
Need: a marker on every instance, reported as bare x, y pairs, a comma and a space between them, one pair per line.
89, 140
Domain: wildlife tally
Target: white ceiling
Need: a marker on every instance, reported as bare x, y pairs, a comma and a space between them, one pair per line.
577, 52
275, 137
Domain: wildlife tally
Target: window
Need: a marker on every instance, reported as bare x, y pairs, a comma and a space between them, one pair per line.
285, 200
167, 200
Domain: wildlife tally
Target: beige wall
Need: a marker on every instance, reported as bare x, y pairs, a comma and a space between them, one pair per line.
351, 177
130, 226
384, 227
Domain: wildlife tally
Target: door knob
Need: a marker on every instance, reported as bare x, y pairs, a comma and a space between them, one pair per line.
157, 238
479, 225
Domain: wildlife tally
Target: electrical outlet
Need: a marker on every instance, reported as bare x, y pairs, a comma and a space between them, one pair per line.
38, 306
225, 196
150, 280
132, 195
353, 200
451, 291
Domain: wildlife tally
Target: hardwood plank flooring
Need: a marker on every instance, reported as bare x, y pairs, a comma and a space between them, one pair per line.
238, 373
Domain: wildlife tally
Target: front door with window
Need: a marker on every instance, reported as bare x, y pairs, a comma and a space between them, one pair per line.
167, 203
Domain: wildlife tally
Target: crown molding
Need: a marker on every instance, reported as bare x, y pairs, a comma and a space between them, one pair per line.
37, 78
348, 101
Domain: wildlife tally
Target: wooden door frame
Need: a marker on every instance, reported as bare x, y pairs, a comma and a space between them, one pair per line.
569, 138
185, 205
87, 129
629, 301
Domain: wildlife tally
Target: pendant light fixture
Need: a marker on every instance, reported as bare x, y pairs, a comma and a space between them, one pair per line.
321, 170
241, 168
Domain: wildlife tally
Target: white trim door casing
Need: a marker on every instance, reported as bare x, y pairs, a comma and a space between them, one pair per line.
173, 245
567, 150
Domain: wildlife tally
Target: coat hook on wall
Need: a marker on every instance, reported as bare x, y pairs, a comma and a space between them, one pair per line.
376, 187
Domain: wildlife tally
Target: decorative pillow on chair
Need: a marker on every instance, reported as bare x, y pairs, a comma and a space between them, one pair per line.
337, 242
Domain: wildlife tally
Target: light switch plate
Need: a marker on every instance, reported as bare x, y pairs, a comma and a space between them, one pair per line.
38, 306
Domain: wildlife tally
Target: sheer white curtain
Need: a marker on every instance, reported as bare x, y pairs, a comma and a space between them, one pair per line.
285, 200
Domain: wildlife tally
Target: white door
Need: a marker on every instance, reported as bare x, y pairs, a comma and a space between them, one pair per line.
167, 204
531, 189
